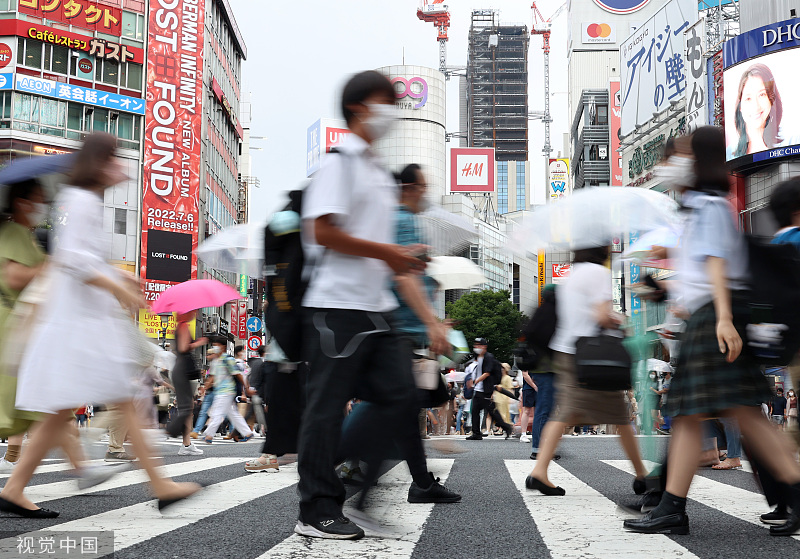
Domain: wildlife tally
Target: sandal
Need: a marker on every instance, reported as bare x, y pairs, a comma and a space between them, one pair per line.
726, 465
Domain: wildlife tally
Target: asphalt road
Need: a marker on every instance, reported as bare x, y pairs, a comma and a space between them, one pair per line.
247, 516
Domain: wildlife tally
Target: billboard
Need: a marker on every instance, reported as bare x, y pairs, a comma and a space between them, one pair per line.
622, 6
653, 65
760, 79
86, 14
598, 33
696, 82
472, 170
558, 181
173, 121
321, 138
68, 92
561, 272
614, 121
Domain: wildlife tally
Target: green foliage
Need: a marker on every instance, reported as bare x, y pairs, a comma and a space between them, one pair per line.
491, 315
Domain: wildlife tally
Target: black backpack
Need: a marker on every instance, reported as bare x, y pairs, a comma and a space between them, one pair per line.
537, 333
283, 271
773, 330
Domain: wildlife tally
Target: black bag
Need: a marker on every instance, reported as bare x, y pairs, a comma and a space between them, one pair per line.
283, 266
602, 363
773, 331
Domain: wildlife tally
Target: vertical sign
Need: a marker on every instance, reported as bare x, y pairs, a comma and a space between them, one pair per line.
614, 119
542, 276
696, 84
244, 285
173, 121
636, 303
241, 324
558, 173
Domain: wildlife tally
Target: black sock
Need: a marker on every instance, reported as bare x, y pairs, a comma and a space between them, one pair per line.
424, 481
670, 504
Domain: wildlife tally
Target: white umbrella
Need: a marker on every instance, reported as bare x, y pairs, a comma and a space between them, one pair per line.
238, 249
454, 272
455, 376
445, 232
592, 217
640, 250
658, 365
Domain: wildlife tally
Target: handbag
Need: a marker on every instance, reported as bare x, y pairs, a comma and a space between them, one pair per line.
602, 363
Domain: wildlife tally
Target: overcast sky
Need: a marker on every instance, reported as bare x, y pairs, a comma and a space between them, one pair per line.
300, 52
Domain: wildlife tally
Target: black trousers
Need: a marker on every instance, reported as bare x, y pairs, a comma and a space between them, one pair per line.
484, 402
351, 354
183, 394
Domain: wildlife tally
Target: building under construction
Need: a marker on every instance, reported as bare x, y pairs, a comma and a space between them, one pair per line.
494, 110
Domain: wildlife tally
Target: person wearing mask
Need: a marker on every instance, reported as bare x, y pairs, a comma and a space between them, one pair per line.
86, 295
225, 376
489, 374
791, 410
713, 376
584, 307
348, 231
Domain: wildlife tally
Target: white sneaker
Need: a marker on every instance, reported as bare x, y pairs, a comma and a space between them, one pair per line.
524, 438
190, 450
95, 475
6, 467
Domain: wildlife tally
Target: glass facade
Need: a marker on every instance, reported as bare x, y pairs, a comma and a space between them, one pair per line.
521, 185
502, 187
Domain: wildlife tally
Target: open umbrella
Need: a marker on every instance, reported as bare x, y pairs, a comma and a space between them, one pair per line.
455, 376
39, 167
446, 232
238, 249
192, 295
591, 217
640, 250
454, 272
658, 365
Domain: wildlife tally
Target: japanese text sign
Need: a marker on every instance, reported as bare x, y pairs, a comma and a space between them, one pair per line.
652, 64
92, 45
559, 179
696, 84
81, 13
66, 92
614, 116
241, 322
472, 170
170, 201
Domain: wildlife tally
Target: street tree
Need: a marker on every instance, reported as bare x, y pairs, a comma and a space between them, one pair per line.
491, 315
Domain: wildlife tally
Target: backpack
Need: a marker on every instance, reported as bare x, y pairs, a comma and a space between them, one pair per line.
537, 333
469, 381
285, 284
773, 331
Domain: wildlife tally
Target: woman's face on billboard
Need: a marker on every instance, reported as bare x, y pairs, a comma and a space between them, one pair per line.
755, 104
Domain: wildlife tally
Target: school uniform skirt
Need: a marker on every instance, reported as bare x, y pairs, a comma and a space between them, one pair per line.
704, 382
581, 406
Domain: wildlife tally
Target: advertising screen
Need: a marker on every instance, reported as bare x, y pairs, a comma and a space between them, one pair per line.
472, 170
170, 201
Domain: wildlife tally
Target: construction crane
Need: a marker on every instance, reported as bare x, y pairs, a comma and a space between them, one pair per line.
542, 27
436, 12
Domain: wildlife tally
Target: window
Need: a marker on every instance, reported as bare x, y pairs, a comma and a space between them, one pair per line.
8, 5
33, 54
521, 198
5, 110
100, 120
120, 221
602, 114
106, 71
502, 187
130, 76
133, 26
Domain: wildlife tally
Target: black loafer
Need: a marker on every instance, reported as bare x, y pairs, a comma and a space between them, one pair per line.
537, 485
675, 524
164, 503
474, 438
535, 455
790, 528
8, 506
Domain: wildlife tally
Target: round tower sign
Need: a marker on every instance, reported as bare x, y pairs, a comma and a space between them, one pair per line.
622, 6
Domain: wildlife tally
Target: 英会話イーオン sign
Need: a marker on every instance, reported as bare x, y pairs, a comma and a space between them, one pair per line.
173, 121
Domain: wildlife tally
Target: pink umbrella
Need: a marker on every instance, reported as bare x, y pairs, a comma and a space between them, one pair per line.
192, 295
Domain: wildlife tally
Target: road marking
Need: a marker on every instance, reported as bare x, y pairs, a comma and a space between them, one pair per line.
584, 524
50, 468
141, 522
728, 499
387, 504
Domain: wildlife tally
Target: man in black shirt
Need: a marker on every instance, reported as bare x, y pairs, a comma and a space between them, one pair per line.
777, 408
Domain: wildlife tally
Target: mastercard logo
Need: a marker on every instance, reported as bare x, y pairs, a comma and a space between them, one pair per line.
598, 30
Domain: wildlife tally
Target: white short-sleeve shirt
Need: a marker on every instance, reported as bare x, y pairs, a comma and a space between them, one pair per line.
362, 198
587, 286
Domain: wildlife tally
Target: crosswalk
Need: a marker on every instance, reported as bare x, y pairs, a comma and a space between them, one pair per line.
251, 516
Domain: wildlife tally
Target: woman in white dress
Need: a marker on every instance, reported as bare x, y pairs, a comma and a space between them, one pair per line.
84, 323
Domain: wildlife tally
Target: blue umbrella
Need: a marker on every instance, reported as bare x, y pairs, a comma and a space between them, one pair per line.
29, 168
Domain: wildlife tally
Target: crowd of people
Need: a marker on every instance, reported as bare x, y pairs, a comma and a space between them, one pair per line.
370, 334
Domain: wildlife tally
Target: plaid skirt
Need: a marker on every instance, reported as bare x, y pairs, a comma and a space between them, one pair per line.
704, 382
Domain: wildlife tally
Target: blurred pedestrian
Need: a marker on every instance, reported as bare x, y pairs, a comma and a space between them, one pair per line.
184, 378
713, 376
528, 412
225, 375
489, 375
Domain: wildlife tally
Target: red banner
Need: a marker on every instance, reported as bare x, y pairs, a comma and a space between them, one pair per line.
81, 13
615, 122
173, 121
241, 325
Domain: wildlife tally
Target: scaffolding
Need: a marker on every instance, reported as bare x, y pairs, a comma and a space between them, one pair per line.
497, 86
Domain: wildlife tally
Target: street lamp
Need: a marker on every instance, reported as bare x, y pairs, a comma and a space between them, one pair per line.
164, 323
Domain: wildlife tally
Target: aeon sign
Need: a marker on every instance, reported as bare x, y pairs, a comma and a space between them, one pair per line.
622, 6
415, 88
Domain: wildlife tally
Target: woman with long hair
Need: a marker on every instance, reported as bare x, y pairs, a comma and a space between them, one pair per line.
713, 377
584, 308
86, 322
758, 112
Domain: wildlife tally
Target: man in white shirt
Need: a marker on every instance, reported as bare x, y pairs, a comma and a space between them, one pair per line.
353, 351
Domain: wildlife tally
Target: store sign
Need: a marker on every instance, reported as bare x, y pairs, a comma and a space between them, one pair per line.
85, 66
66, 92
226, 106
716, 89
653, 65
44, 150
6, 81
559, 179
244, 284
241, 322
321, 138
598, 33
622, 6
647, 155
636, 277
614, 121
472, 170
170, 202
769, 38
696, 83
541, 278
6, 55
81, 13
94, 46
561, 273
415, 88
